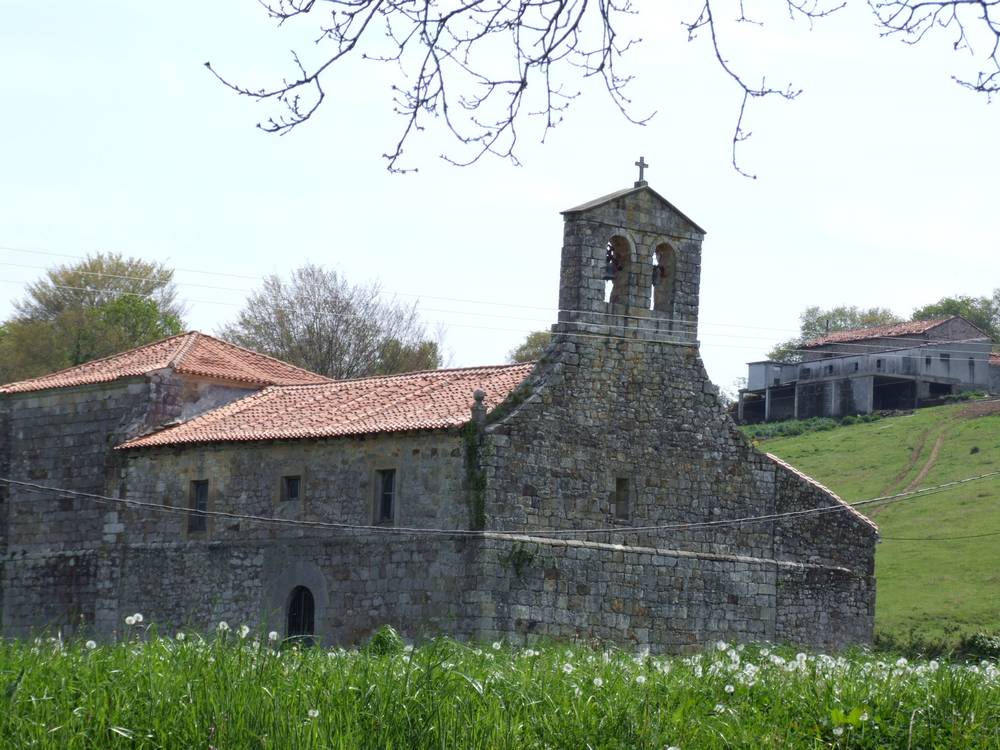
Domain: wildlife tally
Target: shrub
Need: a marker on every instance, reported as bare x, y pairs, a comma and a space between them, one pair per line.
384, 642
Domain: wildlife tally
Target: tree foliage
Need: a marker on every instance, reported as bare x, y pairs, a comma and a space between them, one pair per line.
815, 322
982, 312
319, 321
102, 305
479, 67
531, 348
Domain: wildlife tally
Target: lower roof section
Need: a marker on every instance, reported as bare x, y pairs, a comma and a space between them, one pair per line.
435, 399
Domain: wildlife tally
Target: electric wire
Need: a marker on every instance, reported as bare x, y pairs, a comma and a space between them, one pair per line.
543, 533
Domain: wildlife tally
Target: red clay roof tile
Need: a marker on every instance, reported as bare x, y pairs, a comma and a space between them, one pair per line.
911, 328
430, 400
191, 353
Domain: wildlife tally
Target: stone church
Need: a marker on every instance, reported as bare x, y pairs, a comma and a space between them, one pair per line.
590, 495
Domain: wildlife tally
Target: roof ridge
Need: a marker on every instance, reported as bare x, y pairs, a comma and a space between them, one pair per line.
256, 353
183, 349
414, 373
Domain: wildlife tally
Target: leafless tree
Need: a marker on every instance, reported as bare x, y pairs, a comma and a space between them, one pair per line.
483, 66
318, 320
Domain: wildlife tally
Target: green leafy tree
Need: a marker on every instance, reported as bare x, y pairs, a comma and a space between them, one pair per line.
816, 321
318, 320
982, 312
91, 309
531, 348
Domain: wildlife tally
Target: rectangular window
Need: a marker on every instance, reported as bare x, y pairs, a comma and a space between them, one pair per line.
291, 488
878, 364
927, 362
946, 361
621, 497
855, 367
385, 499
804, 373
829, 369
198, 504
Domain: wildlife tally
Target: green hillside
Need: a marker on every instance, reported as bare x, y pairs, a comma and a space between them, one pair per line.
931, 584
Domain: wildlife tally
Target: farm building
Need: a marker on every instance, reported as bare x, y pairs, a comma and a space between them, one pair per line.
592, 494
899, 366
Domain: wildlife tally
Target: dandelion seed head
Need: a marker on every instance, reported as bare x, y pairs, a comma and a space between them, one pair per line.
137, 617
272, 636
130, 620
496, 645
179, 636
598, 682
223, 626
838, 731
721, 645
91, 645
730, 689
244, 631
313, 713
567, 668
640, 679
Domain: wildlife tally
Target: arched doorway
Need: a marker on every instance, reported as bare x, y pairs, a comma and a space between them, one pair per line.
300, 622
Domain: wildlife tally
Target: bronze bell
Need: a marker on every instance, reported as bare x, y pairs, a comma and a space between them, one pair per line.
610, 271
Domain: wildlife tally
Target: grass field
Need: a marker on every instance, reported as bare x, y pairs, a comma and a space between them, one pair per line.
150, 692
938, 566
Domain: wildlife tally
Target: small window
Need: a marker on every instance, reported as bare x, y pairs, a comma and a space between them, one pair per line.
927, 362
946, 361
878, 364
621, 498
829, 369
805, 373
198, 505
291, 488
385, 499
777, 381
855, 367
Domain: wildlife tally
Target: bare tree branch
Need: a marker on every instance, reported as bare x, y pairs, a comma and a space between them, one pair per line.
482, 66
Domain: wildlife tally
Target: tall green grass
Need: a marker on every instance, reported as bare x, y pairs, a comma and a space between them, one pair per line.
233, 692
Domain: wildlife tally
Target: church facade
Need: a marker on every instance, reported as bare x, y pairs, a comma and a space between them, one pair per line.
600, 493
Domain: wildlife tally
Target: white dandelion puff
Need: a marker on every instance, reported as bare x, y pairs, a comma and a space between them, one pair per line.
244, 631
223, 626
91, 645
179, 636
313, 713
272, 636
496, 645
598, 682
640, 679
838, 731
567, 668
137, 617
130, 620
730, 689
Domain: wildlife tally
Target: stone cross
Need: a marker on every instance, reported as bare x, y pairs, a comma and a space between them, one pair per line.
642, 167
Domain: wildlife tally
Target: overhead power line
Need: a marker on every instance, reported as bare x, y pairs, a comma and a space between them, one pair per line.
556, 533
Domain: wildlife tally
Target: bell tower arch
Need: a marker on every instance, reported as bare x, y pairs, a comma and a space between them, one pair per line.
631, 260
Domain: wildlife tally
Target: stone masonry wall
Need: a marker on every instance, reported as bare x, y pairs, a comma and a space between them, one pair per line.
338, 485
64, 438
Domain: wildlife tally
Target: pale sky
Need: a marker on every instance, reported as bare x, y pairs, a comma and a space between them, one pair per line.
876, 187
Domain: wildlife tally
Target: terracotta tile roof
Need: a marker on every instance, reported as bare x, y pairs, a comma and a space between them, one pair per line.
995, 360
191, 353
909, 328
430, 400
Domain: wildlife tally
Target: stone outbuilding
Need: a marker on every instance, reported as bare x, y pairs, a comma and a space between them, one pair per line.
601, 493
